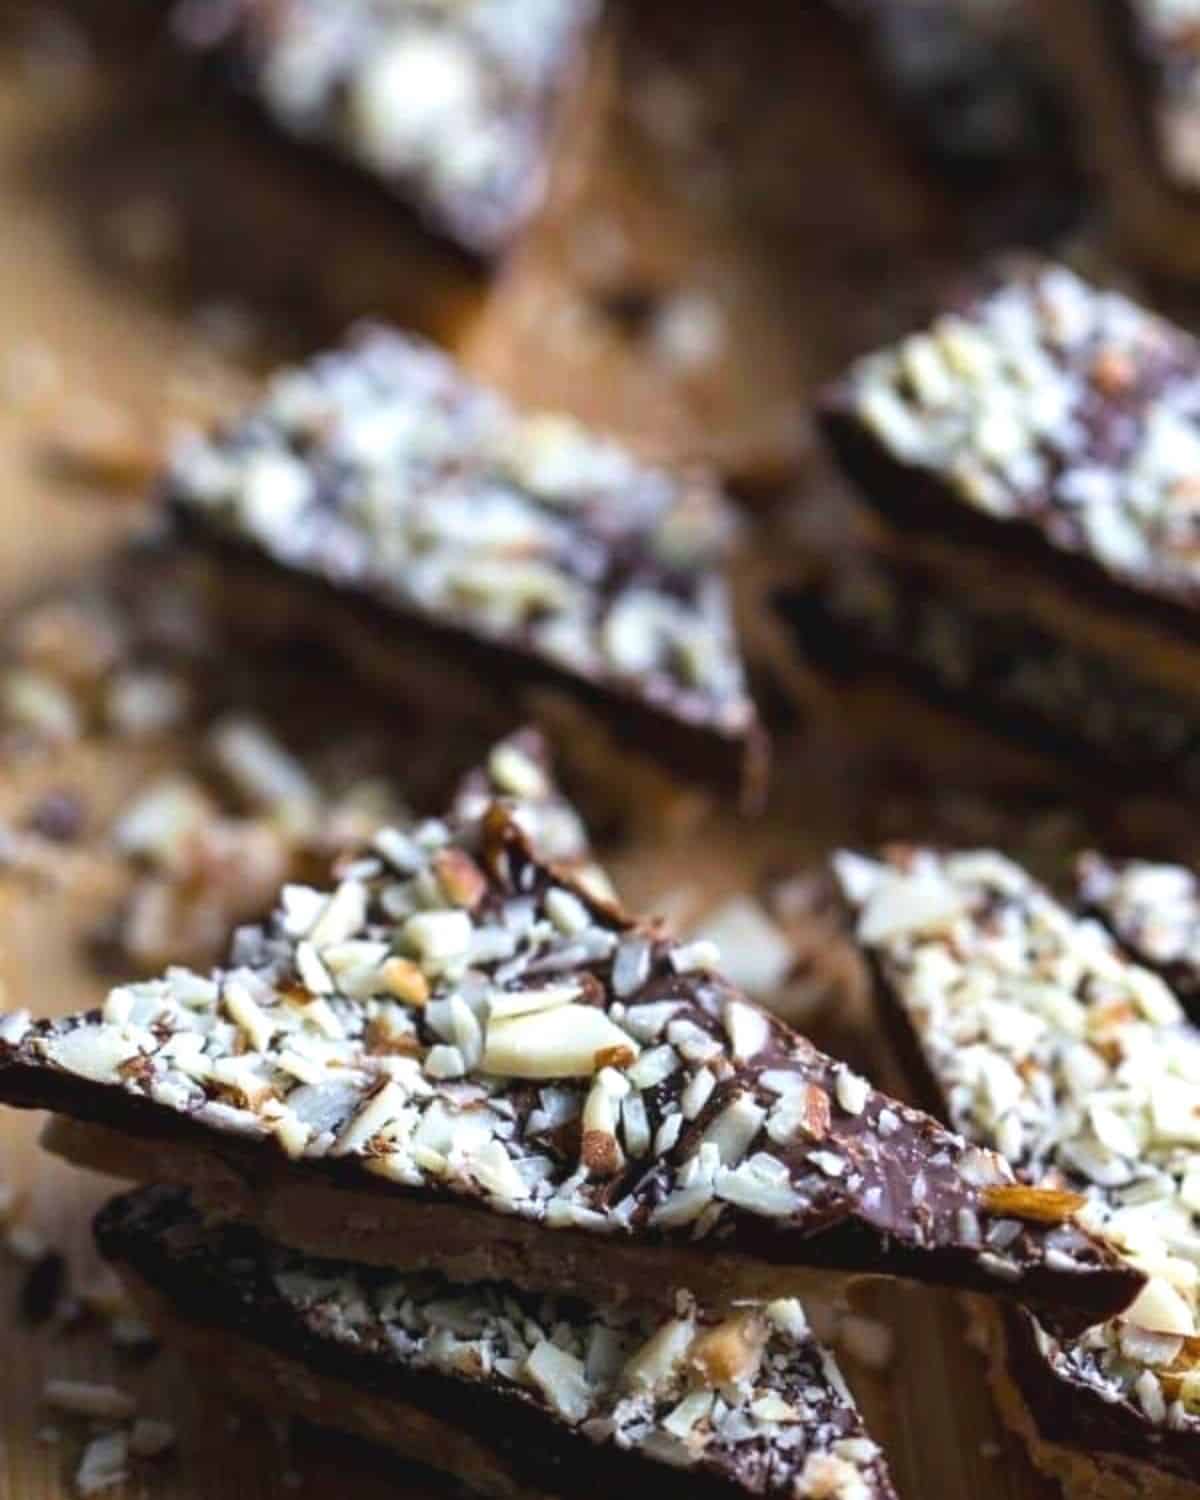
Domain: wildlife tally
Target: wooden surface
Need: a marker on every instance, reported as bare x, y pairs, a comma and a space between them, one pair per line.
95, 320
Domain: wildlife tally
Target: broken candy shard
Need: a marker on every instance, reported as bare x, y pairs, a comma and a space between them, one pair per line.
460, 1056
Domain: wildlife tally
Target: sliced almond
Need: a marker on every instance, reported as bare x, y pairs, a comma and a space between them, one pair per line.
562, 1380
653, 1366
462, 882
404, 979
567, 1042
1161, 1309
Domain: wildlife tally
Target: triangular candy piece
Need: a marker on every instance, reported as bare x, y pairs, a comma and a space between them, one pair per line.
460, 1056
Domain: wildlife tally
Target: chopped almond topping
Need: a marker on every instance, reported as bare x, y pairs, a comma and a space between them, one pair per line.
404, 979
732, 1351
462, 881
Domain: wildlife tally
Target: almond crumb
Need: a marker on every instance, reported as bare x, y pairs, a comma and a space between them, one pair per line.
405, 980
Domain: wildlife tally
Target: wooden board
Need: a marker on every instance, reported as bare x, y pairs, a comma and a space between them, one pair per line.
88, 338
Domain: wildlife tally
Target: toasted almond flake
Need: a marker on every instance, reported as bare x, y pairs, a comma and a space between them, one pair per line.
93, 1052
249, 1015
443, 1061
635, 1126
493, 1169
697, 1092
733, 1131
652, 1067
403, 979
786, 1315
292, 1134
374, 1115
1159, 1308
689, 957
730, 1353
342, 917
313, 974
694, 1408
561, 1379
462, 882
748, 1029
516, 773
773, 1408
567, 911
1035, 1205
438, 938
523, 1002
758, 1186
852, 1091
559, 1043
653, 1366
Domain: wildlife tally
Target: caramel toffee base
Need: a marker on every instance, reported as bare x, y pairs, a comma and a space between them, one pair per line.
1000, 665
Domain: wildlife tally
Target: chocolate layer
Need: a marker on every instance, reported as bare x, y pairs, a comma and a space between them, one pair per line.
543, 1385
538, 1059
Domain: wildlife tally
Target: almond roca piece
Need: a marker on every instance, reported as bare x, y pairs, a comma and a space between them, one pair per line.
380, 498
1028, 468
459, 1057
508, 1390
1030, 1030
450, 107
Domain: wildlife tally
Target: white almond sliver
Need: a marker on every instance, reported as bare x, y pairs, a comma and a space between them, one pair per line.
748, 1029
94, 1052
562, 1379
1161, 1309
902, 905
653, 1366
